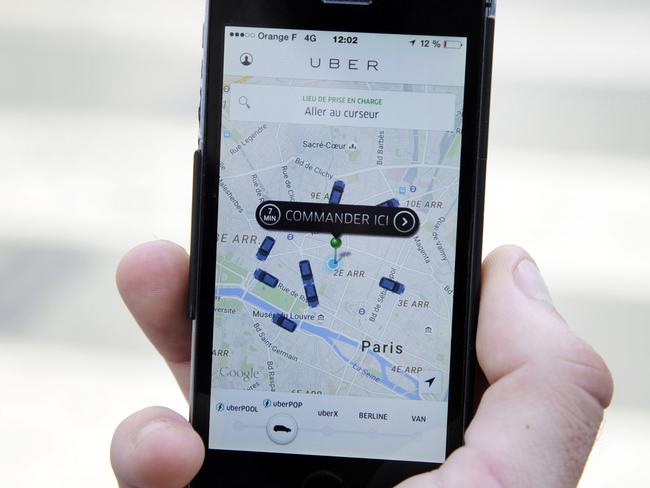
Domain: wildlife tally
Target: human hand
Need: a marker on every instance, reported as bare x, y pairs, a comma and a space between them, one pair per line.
535, 425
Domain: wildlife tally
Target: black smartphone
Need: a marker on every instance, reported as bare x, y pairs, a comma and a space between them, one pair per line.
337, 228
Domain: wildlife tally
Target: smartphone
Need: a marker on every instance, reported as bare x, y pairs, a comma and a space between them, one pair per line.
337, 229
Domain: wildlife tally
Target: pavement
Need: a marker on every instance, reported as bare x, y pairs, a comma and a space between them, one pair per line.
97, 129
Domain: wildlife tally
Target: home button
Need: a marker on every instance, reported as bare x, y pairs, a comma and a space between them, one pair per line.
322, 479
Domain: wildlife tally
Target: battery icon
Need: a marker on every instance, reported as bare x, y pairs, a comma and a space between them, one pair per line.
452, 44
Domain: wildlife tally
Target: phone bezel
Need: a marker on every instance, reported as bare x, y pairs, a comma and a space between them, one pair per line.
466, 18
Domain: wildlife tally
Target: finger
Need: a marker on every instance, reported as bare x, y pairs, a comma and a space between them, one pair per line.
538, 420
156, 448
153, 281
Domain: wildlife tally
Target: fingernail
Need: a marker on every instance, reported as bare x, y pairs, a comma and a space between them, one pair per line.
153, 426
530, 281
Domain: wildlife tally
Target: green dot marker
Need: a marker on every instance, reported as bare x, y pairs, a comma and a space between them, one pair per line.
336, 243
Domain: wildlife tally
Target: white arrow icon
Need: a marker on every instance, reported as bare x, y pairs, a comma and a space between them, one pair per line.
408, 222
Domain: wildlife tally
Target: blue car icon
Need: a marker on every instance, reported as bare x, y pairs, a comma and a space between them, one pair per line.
305, 272
285, 322
266, 278
392, 286
393, 202
265, 248
337, 192
311, 295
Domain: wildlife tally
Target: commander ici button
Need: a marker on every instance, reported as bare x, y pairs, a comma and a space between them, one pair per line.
405, 222
337, 219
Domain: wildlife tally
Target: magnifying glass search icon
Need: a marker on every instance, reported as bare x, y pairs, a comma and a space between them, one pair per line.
244, 101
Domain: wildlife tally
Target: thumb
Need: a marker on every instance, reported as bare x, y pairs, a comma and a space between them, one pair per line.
156, 448
537, 422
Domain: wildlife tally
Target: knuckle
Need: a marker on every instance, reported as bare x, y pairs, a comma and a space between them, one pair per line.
585, 368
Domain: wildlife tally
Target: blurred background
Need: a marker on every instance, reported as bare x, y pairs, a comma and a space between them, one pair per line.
97, 128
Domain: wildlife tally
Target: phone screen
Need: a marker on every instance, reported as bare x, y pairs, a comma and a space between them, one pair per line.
337, 225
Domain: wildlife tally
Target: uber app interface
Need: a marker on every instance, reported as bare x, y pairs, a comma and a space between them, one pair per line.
338, 205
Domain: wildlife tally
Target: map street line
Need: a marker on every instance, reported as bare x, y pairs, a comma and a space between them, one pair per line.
277, 142
374, 198
414, 164
298, 250
426, 146
232, 271
251, 173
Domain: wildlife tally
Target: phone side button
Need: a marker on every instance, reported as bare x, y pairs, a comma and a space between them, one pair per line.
322, 479
195, 239
486, 95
